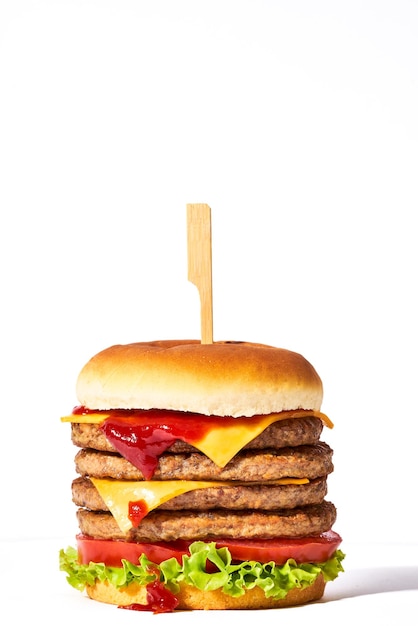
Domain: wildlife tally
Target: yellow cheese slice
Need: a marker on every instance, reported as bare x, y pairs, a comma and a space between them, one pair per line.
88, 418
117, 494
223, 442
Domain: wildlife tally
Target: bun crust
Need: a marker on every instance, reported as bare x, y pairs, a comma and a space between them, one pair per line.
191, 598
224, 378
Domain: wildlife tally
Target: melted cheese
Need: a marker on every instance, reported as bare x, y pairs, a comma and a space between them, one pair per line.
222, 443
117, 494
88, 418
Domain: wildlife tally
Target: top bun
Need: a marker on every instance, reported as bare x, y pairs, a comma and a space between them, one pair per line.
225, 378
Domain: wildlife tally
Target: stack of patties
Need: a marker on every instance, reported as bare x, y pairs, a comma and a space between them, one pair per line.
202, 478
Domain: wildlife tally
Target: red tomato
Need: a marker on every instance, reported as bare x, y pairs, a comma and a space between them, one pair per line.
112, 552
303, 550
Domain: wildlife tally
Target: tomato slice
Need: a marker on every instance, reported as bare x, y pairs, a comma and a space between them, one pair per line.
111, 552
302, 550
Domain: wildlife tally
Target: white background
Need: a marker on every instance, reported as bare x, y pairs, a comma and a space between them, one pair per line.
297, 123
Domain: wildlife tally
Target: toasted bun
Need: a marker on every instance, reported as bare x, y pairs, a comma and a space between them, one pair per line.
224, 378
191, 598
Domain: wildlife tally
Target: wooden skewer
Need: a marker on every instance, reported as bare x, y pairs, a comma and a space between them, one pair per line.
199, 255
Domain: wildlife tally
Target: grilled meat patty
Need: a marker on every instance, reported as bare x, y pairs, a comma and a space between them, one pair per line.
162, 525
251, 465
267, 497
280, 434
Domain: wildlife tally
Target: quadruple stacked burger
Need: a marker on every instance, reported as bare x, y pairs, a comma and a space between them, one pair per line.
202, 478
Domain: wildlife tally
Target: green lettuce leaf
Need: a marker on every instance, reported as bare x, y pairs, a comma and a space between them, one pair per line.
234, 579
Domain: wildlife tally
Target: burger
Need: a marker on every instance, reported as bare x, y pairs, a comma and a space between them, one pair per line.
202, 478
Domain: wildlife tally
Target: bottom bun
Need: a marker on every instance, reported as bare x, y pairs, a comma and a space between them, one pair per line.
191, 598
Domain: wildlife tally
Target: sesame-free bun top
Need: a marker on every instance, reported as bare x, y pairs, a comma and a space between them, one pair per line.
224, 378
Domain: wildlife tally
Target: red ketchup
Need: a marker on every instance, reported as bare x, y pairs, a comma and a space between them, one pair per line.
137, 511
159, 600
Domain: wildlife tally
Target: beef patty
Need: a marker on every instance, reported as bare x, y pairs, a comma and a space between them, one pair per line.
234, 497
291, 432
251, 465
162, 525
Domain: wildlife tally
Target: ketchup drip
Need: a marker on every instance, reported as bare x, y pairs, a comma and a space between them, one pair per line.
137, 511
159, 600
141, 436
138, 441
